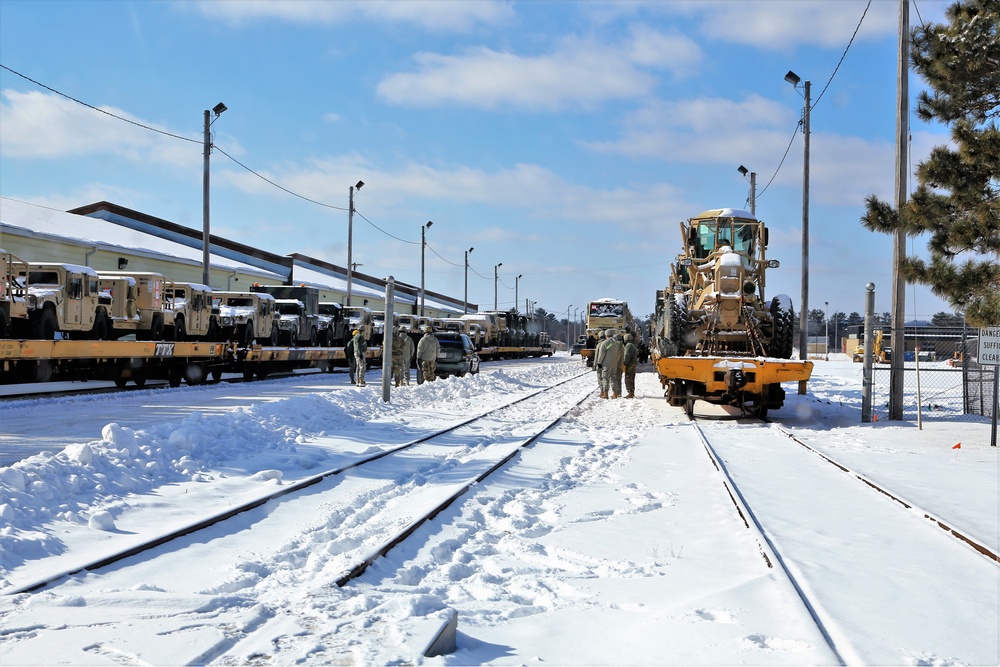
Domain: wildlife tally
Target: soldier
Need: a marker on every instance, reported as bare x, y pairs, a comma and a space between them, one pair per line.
407, 356
427, 353
609, 365
630, 362
398, 352
349, 355
360, 352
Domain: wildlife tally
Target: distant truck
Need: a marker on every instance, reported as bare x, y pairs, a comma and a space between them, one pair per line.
247, 317
43, 300
359, 318
298, 309
136, 302
13, 295
332, 324
192, 312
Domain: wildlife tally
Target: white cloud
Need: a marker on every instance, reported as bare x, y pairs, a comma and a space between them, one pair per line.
430, 15
580, 72
782, 24
47, 126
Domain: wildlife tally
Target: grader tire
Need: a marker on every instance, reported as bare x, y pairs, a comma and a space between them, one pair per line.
783, 339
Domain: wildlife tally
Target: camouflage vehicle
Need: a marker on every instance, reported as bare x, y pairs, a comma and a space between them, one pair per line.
191, 312
359, 318
333, 328
136, 302
298, 311
247, 317
13, 295
57, 299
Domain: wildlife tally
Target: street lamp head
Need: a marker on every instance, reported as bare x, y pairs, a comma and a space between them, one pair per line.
218, 109
743, 170
359, 185
519, 276
428, 225
471, 249
792, 78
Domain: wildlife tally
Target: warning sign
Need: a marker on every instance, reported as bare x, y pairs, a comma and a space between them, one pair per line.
989, 346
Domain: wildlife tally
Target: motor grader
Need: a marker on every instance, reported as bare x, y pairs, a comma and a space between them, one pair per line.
718, 337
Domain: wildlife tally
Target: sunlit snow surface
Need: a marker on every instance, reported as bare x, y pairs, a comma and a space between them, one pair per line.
609, 541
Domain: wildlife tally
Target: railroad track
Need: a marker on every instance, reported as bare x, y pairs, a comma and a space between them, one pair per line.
570, 393
794, 498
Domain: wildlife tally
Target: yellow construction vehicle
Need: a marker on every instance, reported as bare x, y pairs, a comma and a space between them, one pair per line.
882, 354
717, 337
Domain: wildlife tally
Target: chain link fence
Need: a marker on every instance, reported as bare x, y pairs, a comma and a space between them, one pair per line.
940, 366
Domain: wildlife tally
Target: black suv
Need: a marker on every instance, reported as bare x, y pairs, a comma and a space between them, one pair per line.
456, 356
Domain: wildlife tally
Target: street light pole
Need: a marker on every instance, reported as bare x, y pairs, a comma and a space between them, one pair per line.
793, 79
496, 277
423, 246
350, 236
753, 188
467, 279
206, 226
516, 281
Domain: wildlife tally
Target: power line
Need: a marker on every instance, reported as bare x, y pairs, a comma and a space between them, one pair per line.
795, 133
280, 187
91, 106
844, 55
383, 231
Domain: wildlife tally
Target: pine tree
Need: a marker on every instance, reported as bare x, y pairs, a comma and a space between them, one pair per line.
957, 201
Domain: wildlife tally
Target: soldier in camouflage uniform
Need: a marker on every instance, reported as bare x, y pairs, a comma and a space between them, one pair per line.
398, 354
631, 361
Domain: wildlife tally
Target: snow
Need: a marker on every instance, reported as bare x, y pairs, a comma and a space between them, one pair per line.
610, 540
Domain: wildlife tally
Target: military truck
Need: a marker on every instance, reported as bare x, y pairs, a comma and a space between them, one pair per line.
332, 327
57, 299
13, 295
298, 309
191, 312
136, 303
247, 317
359, 318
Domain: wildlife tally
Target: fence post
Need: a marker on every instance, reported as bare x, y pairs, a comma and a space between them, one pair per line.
866, 386
390, 291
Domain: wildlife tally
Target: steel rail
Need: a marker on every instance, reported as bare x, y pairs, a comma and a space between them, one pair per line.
969, 541
292, 488
770, 552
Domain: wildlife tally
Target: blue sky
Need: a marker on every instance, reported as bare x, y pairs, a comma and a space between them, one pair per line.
565, 140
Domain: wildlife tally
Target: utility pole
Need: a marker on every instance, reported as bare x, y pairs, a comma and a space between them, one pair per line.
350, 236
898, 340
467, 279
423, 247
206, 223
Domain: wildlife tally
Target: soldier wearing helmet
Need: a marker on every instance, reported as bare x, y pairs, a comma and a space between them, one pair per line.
427, 354
630, 361
360, 354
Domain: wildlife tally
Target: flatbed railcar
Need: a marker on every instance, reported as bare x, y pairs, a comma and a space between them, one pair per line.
24, 361
124, 361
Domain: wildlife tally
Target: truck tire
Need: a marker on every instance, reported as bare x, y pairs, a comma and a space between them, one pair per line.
156, 329
101, 327
180, 332
273, 340
46, 325
245, 335
212, 335
313, 337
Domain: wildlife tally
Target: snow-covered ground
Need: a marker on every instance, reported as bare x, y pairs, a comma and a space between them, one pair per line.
611, 540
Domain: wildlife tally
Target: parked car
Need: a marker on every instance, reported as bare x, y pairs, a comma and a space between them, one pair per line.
457, 355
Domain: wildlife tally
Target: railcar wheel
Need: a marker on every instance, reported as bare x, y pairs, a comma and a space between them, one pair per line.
120, 382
